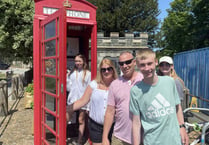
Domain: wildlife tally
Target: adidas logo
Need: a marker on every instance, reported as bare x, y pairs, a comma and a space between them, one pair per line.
160, 107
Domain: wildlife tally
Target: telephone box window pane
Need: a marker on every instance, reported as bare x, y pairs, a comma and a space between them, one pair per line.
58, 131
58, 47
50, 30
50, 103
58, 73
50, 48
50, 85
58, 107
50, 137
50, 66
50, 120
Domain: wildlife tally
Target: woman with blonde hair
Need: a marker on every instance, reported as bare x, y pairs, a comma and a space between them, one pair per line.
96, 93
166, 68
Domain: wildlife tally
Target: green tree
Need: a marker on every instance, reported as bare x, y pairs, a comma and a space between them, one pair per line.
127, 15
200, 10
16, 29
187, 26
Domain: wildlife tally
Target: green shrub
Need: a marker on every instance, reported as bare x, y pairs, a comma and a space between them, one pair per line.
29, 89
32, 105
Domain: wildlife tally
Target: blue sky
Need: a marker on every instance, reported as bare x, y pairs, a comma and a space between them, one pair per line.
163, 5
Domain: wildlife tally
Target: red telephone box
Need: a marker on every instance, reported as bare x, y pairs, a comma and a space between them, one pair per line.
61, 30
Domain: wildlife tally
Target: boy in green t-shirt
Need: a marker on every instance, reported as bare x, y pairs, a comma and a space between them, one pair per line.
156, 106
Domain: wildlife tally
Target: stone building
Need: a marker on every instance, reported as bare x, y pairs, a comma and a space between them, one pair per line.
112, 46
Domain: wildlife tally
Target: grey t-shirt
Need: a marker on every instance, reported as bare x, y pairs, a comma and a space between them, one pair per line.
180, 89
156, 106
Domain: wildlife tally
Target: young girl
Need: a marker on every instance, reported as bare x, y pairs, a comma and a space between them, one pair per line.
77, 81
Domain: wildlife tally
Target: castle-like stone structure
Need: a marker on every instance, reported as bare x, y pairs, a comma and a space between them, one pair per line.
112, 46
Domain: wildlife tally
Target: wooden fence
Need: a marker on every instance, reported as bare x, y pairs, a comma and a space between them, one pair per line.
12, 88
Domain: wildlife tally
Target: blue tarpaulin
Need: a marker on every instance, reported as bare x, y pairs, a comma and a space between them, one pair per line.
193, 68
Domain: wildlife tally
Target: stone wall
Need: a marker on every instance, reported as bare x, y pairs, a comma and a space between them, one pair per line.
112, 46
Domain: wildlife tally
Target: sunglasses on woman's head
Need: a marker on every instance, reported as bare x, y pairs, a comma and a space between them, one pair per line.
106, 69
127, 62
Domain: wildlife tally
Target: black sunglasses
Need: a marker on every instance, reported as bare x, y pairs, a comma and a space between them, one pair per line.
103, 70
164, 64
127, 62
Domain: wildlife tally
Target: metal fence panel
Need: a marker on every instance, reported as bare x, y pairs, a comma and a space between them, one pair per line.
193, 68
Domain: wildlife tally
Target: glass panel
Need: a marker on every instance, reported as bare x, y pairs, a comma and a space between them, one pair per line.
58, 91
50, 65
50, 121
50, 48
58, 47
58, 126
50, 85
50, 103
58, 107
50, 137
42, 81
42, 65
50, 30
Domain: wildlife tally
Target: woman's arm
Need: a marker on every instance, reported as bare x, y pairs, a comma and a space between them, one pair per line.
83, 100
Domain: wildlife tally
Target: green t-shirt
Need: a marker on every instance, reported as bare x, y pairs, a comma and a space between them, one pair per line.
156, 106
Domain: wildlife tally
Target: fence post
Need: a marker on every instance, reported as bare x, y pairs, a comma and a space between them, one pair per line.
15, 88
9, 77
3, 98
21, 85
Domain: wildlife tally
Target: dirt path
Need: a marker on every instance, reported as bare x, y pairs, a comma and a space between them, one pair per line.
16, 128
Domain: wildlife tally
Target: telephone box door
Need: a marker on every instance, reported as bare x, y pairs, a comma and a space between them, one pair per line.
53, 83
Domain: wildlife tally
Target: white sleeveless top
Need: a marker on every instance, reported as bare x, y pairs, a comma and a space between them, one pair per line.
98, 103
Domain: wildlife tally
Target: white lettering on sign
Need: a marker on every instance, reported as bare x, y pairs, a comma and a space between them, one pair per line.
78, 14
49, 11
70, 13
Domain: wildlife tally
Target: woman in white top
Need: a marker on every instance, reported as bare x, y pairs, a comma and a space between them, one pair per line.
96, 93
77, 81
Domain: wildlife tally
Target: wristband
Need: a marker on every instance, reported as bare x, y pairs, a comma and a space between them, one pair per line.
182, 125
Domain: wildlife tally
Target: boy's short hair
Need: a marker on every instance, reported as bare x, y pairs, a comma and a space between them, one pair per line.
144, 53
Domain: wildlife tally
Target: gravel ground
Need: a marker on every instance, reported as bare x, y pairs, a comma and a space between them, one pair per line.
16, 128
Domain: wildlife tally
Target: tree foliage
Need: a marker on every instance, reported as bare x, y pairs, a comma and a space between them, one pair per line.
187, 26
127, 15
16, 33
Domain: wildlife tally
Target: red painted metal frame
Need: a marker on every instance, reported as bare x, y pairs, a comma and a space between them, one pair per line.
39, 17
37, 81
39, 134
94, 51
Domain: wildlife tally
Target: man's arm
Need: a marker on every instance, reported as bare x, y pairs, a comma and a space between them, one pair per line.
108, 120
180, 117
136, 129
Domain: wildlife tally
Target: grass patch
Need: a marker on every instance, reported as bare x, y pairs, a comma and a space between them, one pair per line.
2, 75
